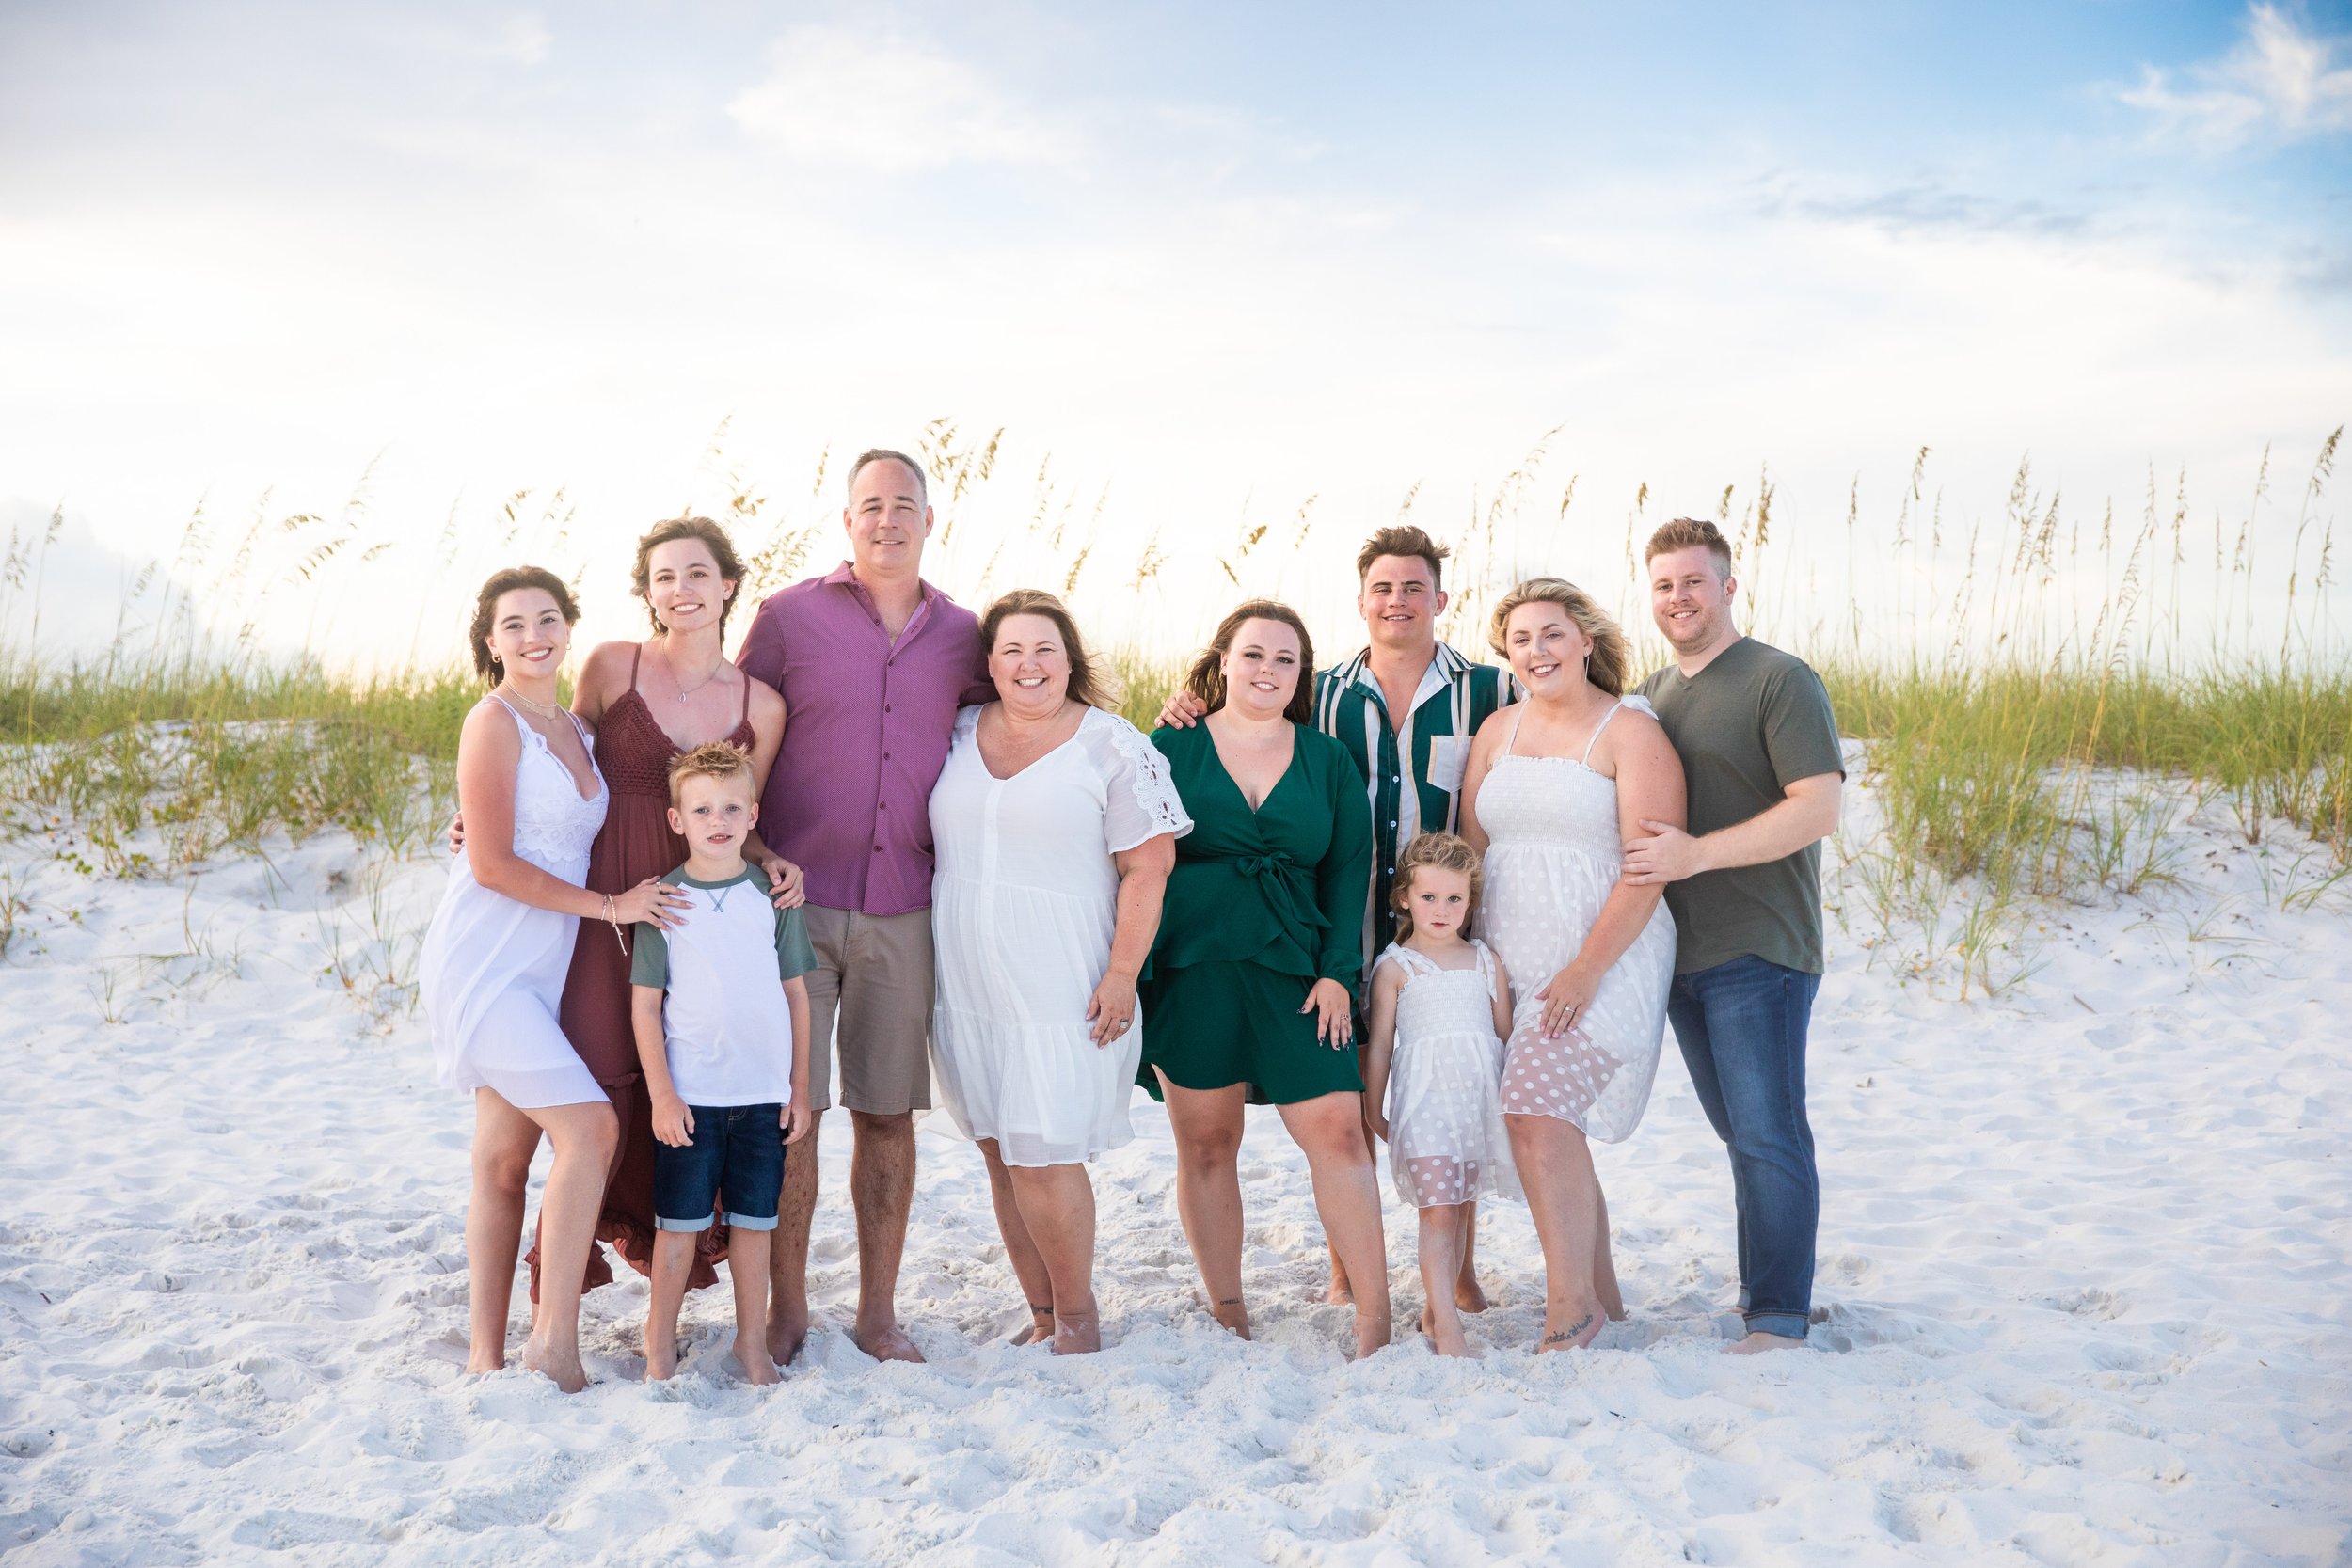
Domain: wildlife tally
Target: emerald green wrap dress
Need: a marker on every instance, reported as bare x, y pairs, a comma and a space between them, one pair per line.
1260, 905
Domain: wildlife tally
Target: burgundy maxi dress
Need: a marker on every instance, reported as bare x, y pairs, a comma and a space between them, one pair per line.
634, 754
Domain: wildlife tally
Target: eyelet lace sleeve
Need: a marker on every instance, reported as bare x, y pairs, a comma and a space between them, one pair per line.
1638, 704
1139, 799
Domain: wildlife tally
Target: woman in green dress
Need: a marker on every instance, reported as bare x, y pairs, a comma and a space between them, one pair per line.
1253, 973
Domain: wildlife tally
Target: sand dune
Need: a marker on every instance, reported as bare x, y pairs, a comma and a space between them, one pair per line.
2082, 1282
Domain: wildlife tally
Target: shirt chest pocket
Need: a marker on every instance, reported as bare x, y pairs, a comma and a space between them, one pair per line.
1449, 759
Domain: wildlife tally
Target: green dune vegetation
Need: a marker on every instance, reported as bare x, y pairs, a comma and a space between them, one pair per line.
2025, 741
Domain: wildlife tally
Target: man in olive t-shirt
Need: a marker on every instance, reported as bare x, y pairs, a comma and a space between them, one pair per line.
1759, 751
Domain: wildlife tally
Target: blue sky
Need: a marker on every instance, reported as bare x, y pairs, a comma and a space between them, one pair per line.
1219, 259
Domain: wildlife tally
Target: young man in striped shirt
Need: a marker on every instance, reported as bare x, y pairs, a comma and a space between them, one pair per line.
1412, 765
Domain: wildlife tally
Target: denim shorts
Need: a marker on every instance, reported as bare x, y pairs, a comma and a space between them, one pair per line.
736, 1153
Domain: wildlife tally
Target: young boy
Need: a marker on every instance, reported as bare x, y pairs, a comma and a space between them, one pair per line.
719, 1038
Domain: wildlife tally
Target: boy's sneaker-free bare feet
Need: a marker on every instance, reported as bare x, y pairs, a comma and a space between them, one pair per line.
1759, 1342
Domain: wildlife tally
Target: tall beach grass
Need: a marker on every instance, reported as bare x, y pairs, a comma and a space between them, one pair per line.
2031, 696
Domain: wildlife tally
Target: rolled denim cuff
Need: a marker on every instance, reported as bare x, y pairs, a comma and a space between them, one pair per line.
1788, 1325
681, 1227
751, 1221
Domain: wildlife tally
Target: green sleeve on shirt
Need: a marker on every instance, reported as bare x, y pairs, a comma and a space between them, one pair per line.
794, 955
1800, 731
649, 956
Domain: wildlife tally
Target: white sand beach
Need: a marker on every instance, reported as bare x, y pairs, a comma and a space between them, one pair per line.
2081, 1300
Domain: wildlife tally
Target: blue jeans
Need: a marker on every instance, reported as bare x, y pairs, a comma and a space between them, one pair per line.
736, 1154
1741, 1028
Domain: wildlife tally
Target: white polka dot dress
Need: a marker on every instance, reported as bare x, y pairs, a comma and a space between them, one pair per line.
1552, 856
1446, 1139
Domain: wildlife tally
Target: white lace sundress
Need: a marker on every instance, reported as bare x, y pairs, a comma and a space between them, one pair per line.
1024, 902
1554, 852
1446, 1139
492, 973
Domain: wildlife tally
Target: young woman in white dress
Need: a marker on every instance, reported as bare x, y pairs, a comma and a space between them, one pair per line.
1055, 823
492, 971
1555, 786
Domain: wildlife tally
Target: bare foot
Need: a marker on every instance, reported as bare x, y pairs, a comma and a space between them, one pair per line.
788, 1331
1077, 1333
1040, 1327
1467, 1295
1234, 1315
1758, 1342
560, 1368
885, 1342
1373, 1331
1574, 1330
660, 1359
758, 1368
1446, 1338
484, 1360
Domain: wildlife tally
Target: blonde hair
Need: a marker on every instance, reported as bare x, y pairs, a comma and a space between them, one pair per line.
1445, 852
713, 759
1606, 667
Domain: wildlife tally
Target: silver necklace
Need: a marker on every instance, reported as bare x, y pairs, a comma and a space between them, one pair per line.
685, 691
544, 710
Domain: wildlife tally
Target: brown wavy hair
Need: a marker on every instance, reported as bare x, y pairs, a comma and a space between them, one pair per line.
1088, 683
1447, 853
722, 554
485, 605
1207, 678
1404, 542
1607, 666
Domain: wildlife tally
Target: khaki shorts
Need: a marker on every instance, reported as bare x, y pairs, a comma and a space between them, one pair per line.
874, 977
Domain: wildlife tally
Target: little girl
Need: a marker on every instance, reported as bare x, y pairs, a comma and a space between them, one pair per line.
1440, 1007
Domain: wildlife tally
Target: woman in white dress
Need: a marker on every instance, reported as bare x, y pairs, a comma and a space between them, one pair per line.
1555, 786
492, 971
1055, 823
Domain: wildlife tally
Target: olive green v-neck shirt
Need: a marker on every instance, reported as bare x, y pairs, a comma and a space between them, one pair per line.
1750, 724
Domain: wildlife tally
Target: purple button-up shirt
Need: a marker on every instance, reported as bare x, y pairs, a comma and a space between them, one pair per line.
866, 732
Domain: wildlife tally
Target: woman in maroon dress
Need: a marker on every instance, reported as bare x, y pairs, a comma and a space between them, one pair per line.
648, 702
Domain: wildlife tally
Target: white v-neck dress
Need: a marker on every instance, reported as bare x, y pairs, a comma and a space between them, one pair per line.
1023, 901
491, 976
1554, 853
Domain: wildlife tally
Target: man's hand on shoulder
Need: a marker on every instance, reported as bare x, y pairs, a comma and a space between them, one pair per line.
1667, 855
1181, 710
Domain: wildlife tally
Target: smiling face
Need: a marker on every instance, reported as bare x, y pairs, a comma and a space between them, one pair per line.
1400, 602
888, 518
683, 585
1437, 901
1261, 668
1690, 597
1029, 664
714, 814
529, 635
1546, 648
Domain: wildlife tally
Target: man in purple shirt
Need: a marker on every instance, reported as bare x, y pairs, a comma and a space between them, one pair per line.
872, 662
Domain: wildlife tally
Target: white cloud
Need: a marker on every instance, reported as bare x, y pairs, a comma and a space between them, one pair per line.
2281, 80
887, 102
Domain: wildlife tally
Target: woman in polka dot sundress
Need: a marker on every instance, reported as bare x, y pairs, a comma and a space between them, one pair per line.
1556, 784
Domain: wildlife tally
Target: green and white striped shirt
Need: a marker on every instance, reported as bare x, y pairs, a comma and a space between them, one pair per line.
1455, 696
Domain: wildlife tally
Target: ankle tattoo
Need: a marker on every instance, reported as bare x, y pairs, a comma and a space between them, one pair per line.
1571, 1332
